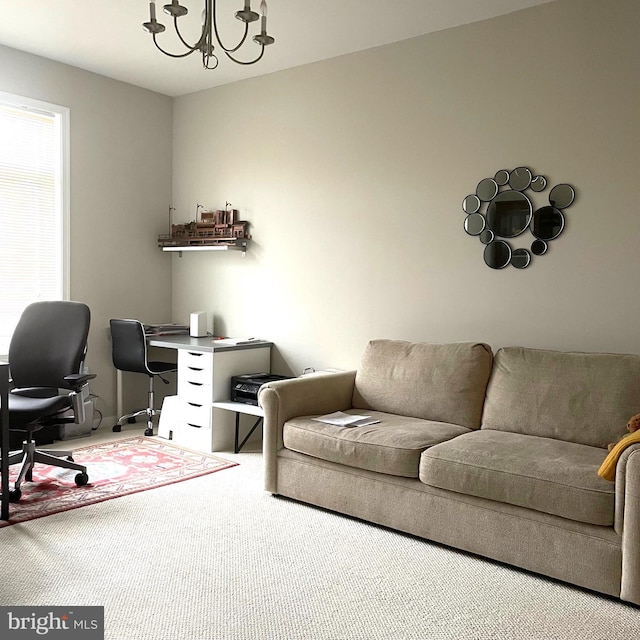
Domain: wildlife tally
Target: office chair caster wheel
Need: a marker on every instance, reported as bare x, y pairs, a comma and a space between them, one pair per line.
148, 432
116, 428
82, 479
70, 458
15, 495
131, 420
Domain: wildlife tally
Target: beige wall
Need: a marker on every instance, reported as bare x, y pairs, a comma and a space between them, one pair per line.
352, 172
120, 192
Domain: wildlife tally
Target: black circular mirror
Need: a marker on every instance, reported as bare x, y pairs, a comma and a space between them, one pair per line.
520, 258
474, 224
487, 189
548, 223
486, 236
538, 247
497, 254
561, 196
520, 179
509, 214
471, 204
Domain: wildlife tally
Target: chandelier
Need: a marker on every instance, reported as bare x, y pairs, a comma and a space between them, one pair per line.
205, 43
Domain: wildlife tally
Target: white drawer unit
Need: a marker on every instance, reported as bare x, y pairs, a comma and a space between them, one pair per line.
196, 376
198, 415
195, 361
204, 377
193, 437
195, 392
195, 386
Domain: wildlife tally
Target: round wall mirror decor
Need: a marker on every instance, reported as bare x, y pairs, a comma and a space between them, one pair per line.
497, 254
499, 208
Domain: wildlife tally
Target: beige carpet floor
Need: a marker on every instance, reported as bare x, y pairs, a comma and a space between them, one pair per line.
218, 558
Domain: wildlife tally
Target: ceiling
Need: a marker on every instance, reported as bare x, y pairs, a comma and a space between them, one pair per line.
106, 36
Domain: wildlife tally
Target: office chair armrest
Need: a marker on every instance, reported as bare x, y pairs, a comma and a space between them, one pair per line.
78, 380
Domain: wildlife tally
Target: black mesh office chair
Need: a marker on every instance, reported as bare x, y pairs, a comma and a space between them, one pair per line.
129, 352
46, 354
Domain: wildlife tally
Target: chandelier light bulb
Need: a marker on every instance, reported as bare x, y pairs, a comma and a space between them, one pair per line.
262, 38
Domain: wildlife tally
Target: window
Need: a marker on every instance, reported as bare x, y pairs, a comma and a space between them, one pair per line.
33, 207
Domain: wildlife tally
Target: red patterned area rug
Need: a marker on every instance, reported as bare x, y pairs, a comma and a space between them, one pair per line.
116, 468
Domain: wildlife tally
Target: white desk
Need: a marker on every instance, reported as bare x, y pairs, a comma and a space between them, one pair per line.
204, 379
206, 345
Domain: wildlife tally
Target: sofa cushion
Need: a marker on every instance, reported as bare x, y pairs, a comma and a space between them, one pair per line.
578, 397
440, 382
547, 475
392, 446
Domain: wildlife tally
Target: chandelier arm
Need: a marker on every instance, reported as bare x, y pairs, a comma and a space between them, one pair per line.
172, 55
227, 50
194, 47
242, 61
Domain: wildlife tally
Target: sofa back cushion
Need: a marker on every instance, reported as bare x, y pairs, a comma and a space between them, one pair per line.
440, 382
585, 398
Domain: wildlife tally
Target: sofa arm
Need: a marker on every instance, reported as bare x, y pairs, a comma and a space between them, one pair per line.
286, 399
628, 481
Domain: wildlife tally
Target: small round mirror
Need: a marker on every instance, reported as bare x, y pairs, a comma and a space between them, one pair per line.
471, 204
520, 179
548, 223
474, 224
487, 189
538, 247
539, 183
497, 254
561, 196
487, 236
509, 214
520, 258
501, 177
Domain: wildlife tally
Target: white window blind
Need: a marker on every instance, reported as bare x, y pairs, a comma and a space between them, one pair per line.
32, 207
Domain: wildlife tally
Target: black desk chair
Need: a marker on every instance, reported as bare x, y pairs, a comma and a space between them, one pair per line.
129, 352
46, 354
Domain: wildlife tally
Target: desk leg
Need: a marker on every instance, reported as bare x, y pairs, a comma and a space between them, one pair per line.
236, 447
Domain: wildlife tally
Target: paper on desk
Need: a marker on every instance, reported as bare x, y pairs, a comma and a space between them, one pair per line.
234, 341
341, 419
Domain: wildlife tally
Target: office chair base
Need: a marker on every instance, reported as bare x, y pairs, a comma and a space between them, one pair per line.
29, 456
131, 418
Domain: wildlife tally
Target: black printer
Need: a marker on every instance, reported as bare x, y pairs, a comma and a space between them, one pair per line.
245, 388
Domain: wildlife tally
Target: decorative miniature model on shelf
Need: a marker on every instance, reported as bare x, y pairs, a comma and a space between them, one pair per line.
215, 228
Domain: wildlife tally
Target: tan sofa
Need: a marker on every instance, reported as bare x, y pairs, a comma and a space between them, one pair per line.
494, 454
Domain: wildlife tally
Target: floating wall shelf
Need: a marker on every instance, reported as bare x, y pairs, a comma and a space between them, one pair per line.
212, 247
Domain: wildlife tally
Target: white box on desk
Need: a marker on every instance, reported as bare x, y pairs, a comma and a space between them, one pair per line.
199, 324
